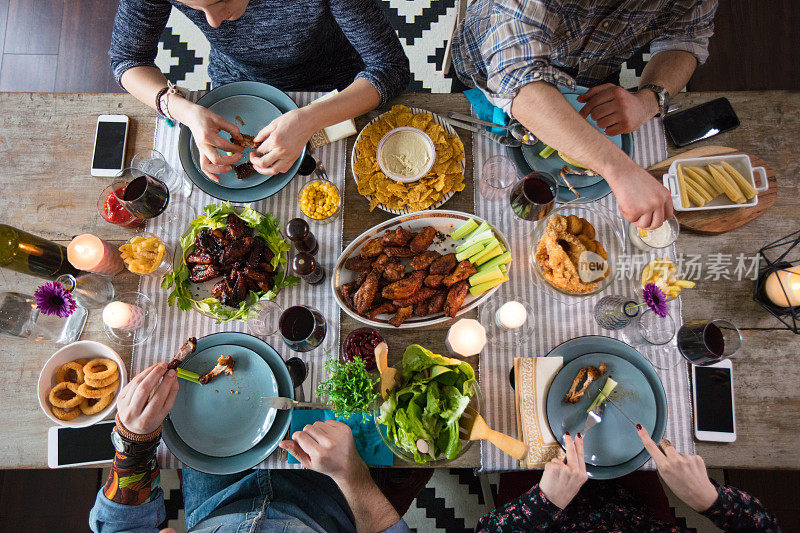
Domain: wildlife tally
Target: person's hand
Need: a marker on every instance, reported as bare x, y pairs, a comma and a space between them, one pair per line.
205, 126
684, 474
328, 448
562, 480
616, 110
281, 142
147, 399
642, 200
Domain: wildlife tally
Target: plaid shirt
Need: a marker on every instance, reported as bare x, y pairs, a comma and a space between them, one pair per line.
504, 44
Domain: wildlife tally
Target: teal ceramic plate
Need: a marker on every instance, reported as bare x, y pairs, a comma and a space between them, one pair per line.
250, 458
613, 441
590, 187
635, 399
256, 113
227, 416
250, 194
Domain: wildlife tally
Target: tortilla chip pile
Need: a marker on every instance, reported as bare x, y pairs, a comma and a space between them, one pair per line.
447, 173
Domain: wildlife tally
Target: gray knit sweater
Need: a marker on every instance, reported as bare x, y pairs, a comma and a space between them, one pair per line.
314, 45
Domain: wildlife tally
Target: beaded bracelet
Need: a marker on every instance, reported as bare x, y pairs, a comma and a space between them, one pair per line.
161, 93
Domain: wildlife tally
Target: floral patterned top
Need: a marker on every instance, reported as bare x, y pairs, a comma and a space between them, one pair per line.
615, 509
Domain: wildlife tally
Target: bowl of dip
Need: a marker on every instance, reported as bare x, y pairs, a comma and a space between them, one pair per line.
406, 154
656, 239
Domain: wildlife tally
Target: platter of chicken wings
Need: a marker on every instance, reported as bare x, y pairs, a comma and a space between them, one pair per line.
407, 272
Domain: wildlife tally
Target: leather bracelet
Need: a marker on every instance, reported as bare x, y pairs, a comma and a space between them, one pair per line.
161, 93
135, 437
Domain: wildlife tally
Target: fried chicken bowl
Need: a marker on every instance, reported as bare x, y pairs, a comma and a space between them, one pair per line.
574, 250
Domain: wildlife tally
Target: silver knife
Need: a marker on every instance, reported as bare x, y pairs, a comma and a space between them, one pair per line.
282, 403
505, 140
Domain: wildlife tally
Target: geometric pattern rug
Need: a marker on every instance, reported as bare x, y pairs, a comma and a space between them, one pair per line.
423, 27
452, 502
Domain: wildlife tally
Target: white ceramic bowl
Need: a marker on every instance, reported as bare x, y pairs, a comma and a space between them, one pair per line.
431, 150
78, 350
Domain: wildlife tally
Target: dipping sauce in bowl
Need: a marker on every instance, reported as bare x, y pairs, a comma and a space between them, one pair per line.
406, 154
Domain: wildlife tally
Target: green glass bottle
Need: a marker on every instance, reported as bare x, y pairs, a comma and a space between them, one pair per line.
29, 254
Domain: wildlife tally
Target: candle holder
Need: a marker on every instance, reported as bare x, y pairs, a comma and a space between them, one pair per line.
780, 261
140, 323
497, 333
465, 338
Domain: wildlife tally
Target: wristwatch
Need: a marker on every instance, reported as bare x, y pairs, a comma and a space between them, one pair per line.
662, 96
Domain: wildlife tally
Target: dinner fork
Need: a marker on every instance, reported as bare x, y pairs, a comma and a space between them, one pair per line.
281, 403
595, 417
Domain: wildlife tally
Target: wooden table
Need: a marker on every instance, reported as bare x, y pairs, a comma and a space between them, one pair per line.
45, 150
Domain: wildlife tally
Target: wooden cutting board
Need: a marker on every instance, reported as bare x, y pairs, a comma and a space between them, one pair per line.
716, 221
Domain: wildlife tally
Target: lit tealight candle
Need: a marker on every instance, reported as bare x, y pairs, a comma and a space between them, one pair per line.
783, 286
511, 315
93, 254
466, 337
121, 315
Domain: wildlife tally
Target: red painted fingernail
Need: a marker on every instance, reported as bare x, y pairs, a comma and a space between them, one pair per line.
638, 426
566, 433
579, 436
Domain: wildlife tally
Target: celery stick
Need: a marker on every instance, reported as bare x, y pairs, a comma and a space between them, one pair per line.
466, 245
467, 227
469, 252
603, 394
483, 287
491, 253
480, 229
547, 152
501, 259
483, 277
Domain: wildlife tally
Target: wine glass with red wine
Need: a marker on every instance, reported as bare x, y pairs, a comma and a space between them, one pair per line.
302, 327
534, 197
705, 342
143, 196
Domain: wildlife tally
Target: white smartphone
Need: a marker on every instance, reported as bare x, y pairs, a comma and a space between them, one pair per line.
110, 140
712, 392
80, 446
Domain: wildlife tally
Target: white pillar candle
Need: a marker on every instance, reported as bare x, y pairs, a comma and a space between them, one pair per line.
783, 286
93, 254
511, 315
121, 315
466, 337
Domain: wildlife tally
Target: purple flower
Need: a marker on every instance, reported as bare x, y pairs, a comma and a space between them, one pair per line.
655, 299
53, 299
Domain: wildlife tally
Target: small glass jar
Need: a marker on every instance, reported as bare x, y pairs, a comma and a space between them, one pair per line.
615, 312
112, 211
164, 266
306, 200
90, 290
657, 239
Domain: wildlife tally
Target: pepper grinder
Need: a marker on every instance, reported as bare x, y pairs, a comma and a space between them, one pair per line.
305, 266
299, 233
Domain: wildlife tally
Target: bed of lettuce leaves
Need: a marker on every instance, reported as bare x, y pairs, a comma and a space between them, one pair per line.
214, 217
432, 394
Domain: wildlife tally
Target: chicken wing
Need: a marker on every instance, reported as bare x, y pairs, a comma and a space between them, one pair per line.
396, 237
400, 290
424, 260
358, 263
463, 270
436, 303
224, 366
401, 316
455, 298
583, 379
444, 264
372, 248
384, 308
201, 273
394, 271
237, 228
399, 251
433, 280
423, 239
365, 295
423, 294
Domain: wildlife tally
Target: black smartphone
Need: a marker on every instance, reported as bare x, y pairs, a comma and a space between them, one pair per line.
80, 446
701, 122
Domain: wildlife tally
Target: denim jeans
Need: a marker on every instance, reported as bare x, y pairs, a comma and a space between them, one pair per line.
297, 499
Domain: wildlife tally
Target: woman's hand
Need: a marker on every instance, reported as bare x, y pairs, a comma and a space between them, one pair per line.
147, 399
205, 126
282, 141
685, 475
562, 480
328, 448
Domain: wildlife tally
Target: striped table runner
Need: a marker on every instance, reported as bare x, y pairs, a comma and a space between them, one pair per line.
557, 322
175, 326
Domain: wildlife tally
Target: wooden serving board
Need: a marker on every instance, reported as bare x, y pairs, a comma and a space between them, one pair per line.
716, 221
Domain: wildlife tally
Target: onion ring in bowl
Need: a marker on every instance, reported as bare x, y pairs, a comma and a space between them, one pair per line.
62, 389
100, 383
89, 392
66, 415
98, 369
82, 361
64, 373
87, 406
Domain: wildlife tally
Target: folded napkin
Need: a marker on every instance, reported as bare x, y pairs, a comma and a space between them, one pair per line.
369, 444
532, 377
486, 110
